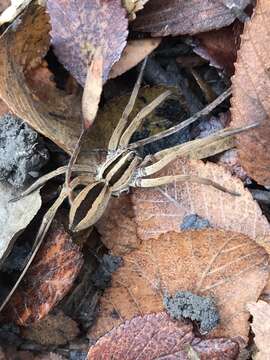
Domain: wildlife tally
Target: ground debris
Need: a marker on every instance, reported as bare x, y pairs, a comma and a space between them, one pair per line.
185, 304
22, 151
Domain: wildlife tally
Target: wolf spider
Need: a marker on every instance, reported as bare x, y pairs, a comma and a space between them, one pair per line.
123, 169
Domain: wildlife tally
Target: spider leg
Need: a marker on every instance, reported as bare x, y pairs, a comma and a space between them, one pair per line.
168, 155
44, 227
116, 135
136, 122
43, 179
148, 183
183, 124
90, 101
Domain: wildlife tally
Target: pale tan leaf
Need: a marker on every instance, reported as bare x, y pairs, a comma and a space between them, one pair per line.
156, 336
251, 94
261, 328
159, 210
132, 6
214, 263
134, 52
14, 216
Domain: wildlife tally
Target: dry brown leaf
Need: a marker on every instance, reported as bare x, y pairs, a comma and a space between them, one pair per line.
161, 18
118, 227
220, 47
261, 328
172, 203
159, 210
55, 329
134, 52
49, 278
156, 336
14, 216
209, 262
251, 94
81, 26
22, 47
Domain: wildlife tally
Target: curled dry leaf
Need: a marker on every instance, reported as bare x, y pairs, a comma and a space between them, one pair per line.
214, 263
161, 18
251, 94
261, 328
81, 26
134, 52
156, 211
14, 216
56, 115
22, 47
49, 278
156, 336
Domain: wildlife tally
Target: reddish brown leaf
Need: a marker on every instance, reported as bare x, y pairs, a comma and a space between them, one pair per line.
251, 94
178, 17
220, 47
156, 336
49, 278
229, 267
81, 26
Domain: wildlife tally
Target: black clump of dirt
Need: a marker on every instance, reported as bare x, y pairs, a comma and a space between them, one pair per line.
194, 222
102, 276
22, 151
185, 304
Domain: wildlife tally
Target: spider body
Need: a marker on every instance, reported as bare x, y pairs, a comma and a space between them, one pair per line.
89, 193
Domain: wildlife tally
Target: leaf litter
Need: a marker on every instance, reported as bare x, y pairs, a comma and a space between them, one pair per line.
212, 263
200, 275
